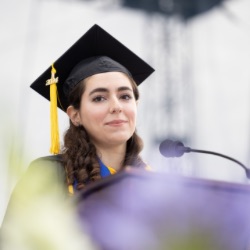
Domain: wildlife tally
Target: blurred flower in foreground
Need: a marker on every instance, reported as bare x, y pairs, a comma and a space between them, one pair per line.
41, 216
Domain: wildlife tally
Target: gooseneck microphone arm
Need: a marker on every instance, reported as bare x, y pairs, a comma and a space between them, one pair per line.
170, 148
224, 156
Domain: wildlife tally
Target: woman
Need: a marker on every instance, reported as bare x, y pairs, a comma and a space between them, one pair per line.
99, 93
97, 88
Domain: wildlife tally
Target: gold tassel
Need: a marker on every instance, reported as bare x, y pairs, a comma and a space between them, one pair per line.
54, 130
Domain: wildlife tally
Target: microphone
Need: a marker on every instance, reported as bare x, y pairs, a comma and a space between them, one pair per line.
169, 148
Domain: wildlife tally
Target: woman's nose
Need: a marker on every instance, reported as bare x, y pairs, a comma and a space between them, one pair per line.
115, 106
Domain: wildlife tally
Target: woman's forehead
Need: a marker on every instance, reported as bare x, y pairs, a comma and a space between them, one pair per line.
107, 80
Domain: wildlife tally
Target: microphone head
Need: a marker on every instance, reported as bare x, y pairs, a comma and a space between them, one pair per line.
169, 148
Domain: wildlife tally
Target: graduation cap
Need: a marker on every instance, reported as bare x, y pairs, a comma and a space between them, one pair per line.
95, 52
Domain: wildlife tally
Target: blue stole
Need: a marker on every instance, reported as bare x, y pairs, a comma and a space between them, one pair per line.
104, 171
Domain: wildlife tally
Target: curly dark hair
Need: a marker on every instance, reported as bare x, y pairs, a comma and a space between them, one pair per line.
79, 154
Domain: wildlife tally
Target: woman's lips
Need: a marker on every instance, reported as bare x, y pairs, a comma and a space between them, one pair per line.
116, 122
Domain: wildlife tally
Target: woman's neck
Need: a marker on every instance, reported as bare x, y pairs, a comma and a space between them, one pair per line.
112, 156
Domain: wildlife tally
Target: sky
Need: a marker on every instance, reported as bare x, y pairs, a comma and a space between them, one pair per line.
199, 93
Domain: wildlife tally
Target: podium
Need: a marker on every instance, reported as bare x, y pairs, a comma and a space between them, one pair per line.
140, 210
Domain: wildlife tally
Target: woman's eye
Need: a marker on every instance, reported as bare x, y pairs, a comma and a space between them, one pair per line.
98, 99
126, 97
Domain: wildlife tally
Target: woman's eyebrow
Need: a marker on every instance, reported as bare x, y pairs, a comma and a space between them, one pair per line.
98, 90
106, 90
124, 88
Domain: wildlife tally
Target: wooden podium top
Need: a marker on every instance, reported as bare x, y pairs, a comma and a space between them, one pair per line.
145, 210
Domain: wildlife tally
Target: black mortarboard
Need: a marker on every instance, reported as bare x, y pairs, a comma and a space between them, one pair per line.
95, 42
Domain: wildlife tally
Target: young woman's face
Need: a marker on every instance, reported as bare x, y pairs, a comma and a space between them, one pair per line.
108, 108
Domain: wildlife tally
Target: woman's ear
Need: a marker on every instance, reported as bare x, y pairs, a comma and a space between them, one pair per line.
73, 115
